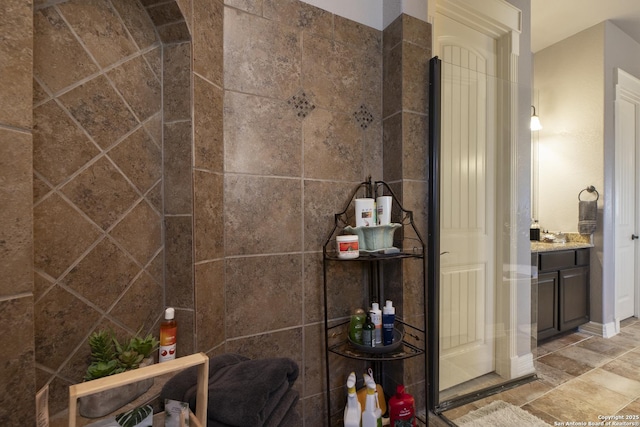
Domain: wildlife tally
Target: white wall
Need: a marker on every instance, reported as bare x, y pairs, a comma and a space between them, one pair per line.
569, 79
575, 79
373, 13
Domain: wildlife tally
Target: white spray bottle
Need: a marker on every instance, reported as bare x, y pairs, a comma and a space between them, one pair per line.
353, 410
372, 414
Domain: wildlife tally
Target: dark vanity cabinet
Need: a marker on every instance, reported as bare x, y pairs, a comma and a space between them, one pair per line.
563, 291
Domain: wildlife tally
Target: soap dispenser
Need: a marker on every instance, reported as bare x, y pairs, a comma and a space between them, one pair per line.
534, 232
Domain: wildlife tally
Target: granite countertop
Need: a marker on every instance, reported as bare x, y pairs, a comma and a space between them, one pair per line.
573, 241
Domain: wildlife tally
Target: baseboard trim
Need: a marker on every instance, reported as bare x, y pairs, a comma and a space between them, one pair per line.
522, 365
606, 330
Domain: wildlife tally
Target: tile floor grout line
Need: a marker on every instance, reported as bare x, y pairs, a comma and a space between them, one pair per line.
629, 397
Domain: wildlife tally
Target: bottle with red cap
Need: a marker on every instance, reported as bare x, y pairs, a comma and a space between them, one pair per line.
402, 409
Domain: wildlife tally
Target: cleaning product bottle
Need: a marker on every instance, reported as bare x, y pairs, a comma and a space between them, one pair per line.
367, 331
388, 320
353, 410
376, 318
362, 393
168, 336
402, 410
355, 326
372, 415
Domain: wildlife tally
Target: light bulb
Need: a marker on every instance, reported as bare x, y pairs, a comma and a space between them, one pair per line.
535, 123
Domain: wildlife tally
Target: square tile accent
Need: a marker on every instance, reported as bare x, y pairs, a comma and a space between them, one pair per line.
302, 104
363, 117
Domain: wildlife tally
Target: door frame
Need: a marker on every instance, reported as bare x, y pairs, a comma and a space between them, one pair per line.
628, 89
503, 22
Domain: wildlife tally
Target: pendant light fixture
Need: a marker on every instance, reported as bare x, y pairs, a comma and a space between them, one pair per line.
535, 120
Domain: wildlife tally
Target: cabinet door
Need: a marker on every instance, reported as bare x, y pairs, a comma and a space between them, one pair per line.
574, 297
547, 305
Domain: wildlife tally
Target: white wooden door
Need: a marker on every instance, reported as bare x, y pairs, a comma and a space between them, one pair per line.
627, 136
467, 204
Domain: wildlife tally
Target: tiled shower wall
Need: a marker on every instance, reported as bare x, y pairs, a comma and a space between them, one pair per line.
17, 377
98, 194
302, 128
303, 124
406, 52
205, 18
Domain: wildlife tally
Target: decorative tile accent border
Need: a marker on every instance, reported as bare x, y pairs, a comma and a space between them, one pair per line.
363, 117
302, 104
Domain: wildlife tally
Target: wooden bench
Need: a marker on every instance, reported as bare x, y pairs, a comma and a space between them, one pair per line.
95, 386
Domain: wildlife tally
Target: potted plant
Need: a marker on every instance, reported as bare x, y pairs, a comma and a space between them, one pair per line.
110, 357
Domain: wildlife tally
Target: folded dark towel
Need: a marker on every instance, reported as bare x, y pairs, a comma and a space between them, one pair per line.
275, 399
292, 418
179, 384
242, 392
283, 414
587, 216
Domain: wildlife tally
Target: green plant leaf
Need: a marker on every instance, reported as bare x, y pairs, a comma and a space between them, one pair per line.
101, 369
130, 359
109, 356
144, 346
102, 348
133, 417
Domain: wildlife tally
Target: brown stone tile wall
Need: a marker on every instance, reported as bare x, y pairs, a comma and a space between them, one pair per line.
406, 52
302, 128
205, 18
97, 173
17, 375
303, 122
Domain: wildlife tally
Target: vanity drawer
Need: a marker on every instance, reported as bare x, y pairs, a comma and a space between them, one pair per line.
582, 257
557, 260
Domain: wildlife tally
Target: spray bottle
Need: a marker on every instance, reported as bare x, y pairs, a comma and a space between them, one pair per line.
372, 414
353, 410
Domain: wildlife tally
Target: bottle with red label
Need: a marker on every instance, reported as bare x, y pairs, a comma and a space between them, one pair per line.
402, 409
168, 335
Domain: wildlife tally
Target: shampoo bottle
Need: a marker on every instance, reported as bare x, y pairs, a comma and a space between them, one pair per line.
402, 411
376, 318
168, 336
353, 410
355, 326
372, 415
367, 331
388, 320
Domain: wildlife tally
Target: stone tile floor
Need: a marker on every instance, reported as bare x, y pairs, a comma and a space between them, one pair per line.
581, 378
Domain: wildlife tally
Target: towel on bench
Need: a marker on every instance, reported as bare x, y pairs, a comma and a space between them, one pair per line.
284, 415
241, 391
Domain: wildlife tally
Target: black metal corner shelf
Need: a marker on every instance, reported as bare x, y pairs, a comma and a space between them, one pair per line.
411, 247
371, 257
